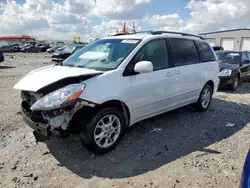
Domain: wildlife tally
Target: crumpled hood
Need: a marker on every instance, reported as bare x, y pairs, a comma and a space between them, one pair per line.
42, 77
224, 66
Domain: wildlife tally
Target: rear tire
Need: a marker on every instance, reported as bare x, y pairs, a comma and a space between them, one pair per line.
100, 135
235, 83
204, 100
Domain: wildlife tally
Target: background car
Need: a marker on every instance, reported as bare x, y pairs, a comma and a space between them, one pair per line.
5, 48
234, 66
54, 48
31, 48
65, 52
43, 47
15, 48
51, 49
218, 48
23, 47
1, 57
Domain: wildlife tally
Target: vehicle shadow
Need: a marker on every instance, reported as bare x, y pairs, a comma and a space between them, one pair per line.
244, 87
6, 67
150, 144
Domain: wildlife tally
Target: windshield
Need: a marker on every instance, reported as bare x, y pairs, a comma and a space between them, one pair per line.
106, 54
229, 57
69, 49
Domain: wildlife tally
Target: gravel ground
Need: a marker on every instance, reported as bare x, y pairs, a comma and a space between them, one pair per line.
181, 148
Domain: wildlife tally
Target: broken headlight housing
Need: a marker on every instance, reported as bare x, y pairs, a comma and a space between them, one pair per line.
60, 98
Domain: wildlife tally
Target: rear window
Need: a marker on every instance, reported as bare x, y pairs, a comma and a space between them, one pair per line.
206, 54
184, 52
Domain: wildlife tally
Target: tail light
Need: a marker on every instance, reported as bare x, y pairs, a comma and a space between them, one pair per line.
218, 63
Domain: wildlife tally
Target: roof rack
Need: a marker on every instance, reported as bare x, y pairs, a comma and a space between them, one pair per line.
179, 33
148, 32
128, 33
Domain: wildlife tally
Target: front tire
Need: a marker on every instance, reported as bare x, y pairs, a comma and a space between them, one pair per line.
104, 131
204, 100
235, 83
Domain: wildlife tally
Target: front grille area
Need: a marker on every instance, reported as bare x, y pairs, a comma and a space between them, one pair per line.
28, 101
37, 117
26, 107
31, 99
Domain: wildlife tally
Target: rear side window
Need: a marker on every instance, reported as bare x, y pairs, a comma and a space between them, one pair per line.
184, 52
244, 57
248, 55
206, 54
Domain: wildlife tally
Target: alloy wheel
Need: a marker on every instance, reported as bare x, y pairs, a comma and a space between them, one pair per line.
107, 131
236, 82
205, 98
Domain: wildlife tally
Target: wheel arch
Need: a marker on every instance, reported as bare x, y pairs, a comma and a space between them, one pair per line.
120, 106
87, 113
211, 83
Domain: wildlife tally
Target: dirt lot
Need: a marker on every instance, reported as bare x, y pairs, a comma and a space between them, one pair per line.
181, 148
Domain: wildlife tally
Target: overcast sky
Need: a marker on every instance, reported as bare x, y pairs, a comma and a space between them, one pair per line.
63, 19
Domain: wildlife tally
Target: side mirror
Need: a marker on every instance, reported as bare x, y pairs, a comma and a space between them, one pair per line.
143, 67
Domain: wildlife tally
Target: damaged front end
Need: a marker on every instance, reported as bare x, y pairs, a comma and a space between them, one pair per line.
52, 113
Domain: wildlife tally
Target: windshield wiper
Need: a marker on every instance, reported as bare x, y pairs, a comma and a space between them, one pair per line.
99, 68
95, 68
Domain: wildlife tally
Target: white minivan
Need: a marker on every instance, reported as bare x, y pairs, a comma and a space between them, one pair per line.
117, 81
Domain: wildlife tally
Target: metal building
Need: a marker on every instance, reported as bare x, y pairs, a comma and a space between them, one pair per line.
235, 39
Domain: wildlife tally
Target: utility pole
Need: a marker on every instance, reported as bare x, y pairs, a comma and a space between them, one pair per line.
200, 28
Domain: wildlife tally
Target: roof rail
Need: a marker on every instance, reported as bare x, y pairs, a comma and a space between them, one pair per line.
178, 33
148, 32
132, 33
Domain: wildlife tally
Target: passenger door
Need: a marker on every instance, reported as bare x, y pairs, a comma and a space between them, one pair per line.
152, 92
188, 73
245, 66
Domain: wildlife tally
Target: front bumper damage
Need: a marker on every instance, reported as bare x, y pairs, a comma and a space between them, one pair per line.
225, 81
42, 128
52, 122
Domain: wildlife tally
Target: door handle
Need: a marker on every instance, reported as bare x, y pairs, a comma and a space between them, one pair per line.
169, 74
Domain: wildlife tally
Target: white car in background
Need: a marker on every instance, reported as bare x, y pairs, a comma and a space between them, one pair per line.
117, 81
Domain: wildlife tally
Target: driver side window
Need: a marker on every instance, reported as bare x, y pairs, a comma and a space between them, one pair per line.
155, 52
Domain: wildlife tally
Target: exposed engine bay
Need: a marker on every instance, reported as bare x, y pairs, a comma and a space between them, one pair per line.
54, 120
